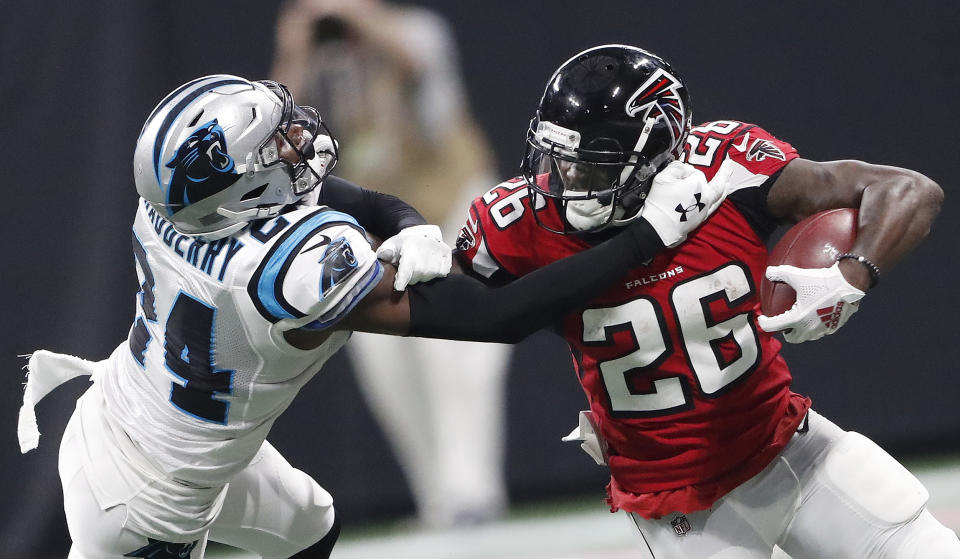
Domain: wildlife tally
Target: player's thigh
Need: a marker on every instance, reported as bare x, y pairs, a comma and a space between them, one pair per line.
858, 501
924, 537
99, 533
96, 533
711, 535
272, 508
746, 523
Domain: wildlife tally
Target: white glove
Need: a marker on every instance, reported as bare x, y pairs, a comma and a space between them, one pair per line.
680, 200
419, 254
825, 301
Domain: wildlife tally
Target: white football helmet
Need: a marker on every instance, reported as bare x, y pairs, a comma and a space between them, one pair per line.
208, 157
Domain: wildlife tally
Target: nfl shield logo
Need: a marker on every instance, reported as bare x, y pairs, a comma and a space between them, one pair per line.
680, 525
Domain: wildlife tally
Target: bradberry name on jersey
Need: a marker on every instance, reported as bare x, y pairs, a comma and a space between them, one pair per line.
217, 255
653, 278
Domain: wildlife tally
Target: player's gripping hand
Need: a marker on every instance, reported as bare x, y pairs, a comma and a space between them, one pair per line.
825, 301
419, 254
679, 201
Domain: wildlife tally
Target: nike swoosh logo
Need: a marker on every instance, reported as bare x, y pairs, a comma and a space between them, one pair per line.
743, 144
324, 240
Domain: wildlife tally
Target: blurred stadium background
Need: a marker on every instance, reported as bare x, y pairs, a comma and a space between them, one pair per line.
838, 80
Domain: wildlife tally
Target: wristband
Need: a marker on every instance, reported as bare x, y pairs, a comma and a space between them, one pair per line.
871, 267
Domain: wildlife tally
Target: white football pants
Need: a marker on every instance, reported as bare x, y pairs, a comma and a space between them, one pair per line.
830, 494
270, 508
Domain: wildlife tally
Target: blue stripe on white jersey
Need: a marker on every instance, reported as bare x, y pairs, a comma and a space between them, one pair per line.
372, 281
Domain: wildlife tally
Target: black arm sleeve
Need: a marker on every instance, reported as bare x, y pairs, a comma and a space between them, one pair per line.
381, 214
459, 307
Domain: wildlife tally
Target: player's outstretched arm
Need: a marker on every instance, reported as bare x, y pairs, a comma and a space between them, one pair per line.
383, 215
462, 308
416, 248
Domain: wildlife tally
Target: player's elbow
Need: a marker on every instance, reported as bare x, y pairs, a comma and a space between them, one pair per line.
910, 190
920, 193
930, 193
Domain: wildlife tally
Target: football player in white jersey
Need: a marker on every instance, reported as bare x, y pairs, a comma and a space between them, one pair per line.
248, 285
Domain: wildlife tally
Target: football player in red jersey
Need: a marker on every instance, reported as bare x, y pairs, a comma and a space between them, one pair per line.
690, 400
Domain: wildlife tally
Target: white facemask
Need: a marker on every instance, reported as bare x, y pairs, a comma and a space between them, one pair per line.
323, 149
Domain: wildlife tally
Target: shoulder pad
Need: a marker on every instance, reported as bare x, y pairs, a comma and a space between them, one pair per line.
754, 153
316, 271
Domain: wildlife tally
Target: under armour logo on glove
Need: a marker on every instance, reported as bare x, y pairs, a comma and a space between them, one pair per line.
670, 194
698, 205
156, 549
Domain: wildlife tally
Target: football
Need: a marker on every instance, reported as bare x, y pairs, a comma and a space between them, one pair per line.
814, 242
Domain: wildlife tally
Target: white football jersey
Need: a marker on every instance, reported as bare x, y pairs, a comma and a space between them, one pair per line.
205, 370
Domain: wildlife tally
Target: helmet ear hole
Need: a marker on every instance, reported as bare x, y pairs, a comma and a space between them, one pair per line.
196, 119
255, 193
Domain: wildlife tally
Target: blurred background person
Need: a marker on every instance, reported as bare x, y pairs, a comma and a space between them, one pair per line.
389, 75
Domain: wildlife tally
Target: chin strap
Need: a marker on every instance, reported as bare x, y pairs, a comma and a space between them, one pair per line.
628, 209
250, 214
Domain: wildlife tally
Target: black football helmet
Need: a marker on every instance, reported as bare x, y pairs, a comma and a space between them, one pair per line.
610, 118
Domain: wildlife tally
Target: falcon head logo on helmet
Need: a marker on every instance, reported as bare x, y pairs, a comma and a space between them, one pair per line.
659, 97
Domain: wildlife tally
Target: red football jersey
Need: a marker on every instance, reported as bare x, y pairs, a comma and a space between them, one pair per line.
691, 396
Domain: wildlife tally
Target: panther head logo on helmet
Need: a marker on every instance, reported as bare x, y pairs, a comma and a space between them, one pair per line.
257, 153
201, 166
